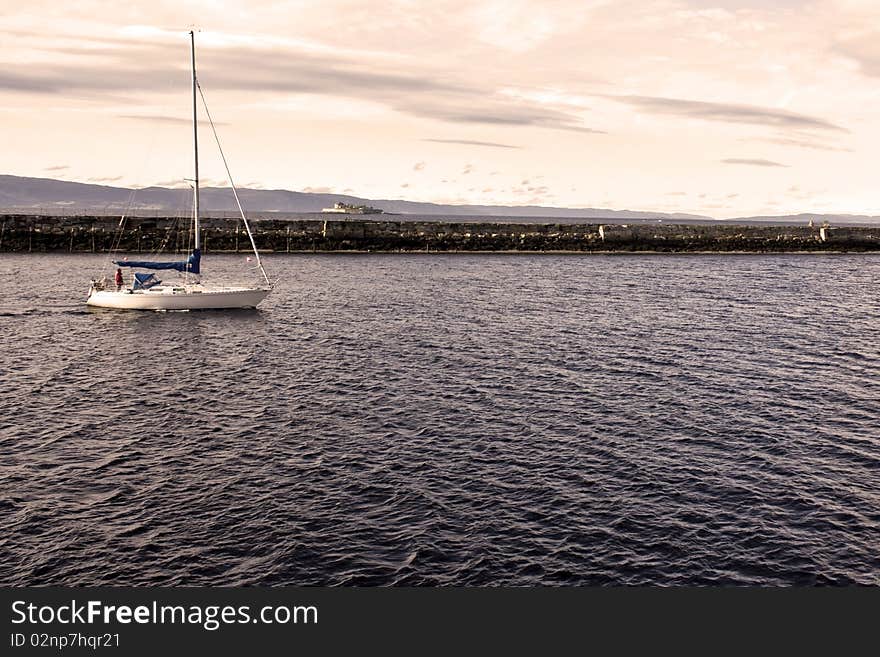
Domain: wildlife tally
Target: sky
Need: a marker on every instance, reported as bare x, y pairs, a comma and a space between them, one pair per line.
718, 107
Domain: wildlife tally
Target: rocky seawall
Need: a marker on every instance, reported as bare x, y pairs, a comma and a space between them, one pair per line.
95, 234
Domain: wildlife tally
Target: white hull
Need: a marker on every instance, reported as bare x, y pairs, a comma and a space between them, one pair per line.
184, 297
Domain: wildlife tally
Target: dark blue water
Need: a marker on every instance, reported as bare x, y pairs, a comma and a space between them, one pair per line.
443, 419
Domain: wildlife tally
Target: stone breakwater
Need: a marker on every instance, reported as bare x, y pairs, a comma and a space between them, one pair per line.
94, 234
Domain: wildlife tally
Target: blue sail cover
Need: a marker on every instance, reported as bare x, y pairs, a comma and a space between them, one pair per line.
191, 264
144, 281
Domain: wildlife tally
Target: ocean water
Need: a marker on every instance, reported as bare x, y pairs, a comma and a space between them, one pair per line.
448, 420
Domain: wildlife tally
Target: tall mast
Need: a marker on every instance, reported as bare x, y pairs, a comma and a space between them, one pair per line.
197, 240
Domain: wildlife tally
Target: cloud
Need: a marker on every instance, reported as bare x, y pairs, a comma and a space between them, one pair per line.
467, 169
120, 70
174, 184
294, 73
162, 119
419, 166
534, 191
417, 91
753, 162
14, 82
470, 142
405, 185
676, 193
864, 49
103, 180
728, 113
60, 167
151, 66
482, 108
799, 143
318, 190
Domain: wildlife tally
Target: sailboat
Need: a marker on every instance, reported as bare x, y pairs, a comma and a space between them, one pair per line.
147, 292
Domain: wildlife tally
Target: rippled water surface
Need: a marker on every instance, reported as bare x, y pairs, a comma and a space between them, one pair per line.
442, 419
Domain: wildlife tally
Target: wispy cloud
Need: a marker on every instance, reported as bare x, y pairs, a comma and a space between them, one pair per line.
297, 72
728, 113
214, 182
60, 167
123, 69
430, 94
160, 119
864, 49
105, 180
798, 143
318, 190
174, 184
487, 110
471, 142
419, 166
185, 184
757, 162
16, 82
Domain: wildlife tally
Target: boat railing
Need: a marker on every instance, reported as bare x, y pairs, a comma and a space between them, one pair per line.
109, 283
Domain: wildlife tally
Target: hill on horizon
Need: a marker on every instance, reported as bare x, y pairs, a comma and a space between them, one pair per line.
22, 194
19, 193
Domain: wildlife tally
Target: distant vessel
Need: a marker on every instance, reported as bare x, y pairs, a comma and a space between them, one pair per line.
345, 208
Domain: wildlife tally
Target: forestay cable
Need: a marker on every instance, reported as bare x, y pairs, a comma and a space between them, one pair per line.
232, 184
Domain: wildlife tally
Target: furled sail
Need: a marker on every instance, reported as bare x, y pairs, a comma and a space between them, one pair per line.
191, 264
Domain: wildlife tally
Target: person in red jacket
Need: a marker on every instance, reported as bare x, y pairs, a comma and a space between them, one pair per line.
118, 279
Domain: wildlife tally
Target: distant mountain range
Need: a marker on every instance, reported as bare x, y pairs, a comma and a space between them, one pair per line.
22, 194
